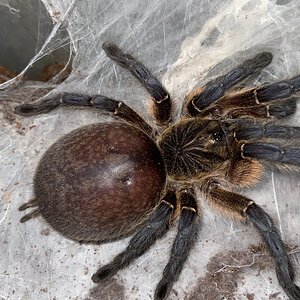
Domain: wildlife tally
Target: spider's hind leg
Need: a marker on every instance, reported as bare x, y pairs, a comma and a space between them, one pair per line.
243, 208
155, 227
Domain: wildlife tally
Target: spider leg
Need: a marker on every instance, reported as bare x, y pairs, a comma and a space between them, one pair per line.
246, 130
277, 110
275, 144
270, 234
259, 145
271, 152
203, 97
39, 107
244, 208
156, 226
283, 158
187, 232
117, 108
262, 102
161, 98
275, 91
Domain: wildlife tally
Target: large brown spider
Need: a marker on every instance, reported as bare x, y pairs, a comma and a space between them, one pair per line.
105, 181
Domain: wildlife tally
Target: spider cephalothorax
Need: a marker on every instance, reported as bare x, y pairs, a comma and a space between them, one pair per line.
105, 181
194, 147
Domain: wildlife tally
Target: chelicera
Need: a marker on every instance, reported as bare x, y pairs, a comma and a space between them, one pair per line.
105, 181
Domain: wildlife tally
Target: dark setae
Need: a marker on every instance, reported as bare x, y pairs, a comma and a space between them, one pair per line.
105, 181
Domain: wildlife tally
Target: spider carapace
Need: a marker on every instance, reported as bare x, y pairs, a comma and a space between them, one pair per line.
105, 181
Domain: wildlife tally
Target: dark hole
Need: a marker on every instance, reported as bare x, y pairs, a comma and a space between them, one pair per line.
23, 32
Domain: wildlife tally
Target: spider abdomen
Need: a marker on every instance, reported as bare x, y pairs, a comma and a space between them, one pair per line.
98, 182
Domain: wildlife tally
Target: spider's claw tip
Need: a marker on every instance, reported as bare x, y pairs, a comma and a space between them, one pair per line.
24, 109
23, 207
162, 290
112, 50
269, 56
109, 47
105, 45
25, 218
95, 278
102, 274
265, 58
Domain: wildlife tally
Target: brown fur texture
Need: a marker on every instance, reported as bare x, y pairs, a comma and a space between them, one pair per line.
98, 182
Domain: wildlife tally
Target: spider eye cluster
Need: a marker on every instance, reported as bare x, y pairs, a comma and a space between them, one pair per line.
218, 136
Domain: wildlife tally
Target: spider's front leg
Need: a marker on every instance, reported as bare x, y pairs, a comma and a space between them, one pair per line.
264, 102
271, 144
271, 152
243, 208
114, 107
161, 98
247, 130
201, 98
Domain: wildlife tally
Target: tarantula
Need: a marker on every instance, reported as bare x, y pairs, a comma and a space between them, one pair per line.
105, 181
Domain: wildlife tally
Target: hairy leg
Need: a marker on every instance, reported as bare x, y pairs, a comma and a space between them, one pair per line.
243, 208
271, 152
270, 234
116, 108
201, 98
188, 228
247, 130
156, 226
275, 145
272, 110
262, 102
161, 98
